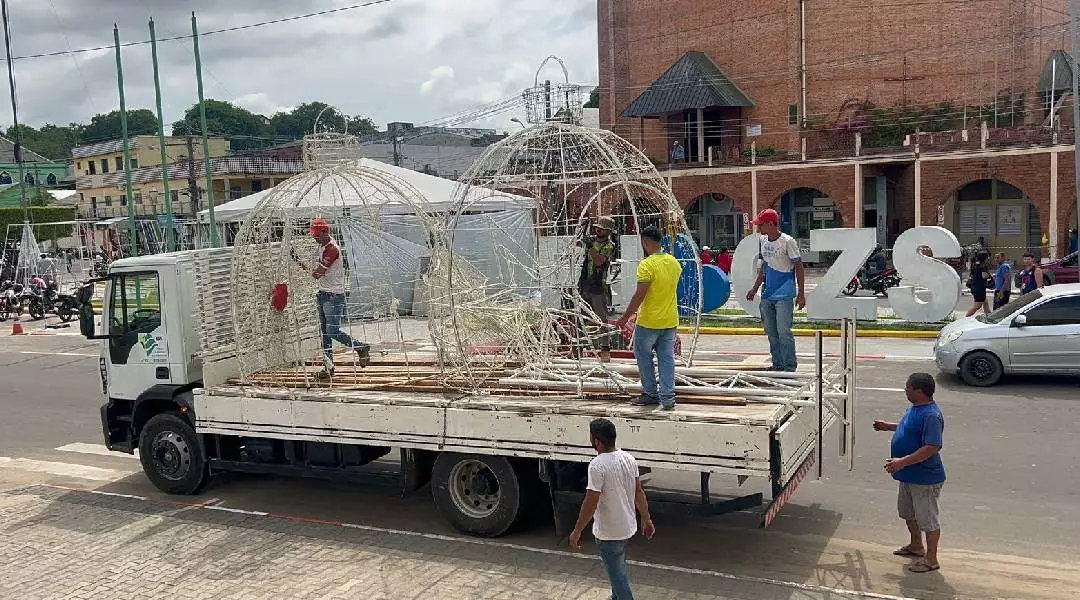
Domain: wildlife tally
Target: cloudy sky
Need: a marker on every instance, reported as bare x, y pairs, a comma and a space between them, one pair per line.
401, 60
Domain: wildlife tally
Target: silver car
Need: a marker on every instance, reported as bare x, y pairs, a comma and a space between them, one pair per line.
1038, 332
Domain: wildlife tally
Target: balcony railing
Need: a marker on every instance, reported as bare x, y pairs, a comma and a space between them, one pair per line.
836, 145
222, 166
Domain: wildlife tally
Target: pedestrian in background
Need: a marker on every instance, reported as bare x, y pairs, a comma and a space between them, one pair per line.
781, 271
657, 323
723, 260
706, 256
1002, 281
916, 464
611, 495
1031, 277
678, 153
978, 282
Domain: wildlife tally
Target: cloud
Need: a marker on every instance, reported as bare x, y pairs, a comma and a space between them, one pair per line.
438, 75
404, 60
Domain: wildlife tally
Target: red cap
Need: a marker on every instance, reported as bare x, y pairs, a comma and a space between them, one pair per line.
767, 216
319, 226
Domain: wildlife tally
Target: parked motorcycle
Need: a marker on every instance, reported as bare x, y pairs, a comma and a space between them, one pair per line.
10, 305
99, 268
879, 283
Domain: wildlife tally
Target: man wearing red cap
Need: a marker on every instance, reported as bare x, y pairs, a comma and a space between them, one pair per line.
781, 270
330, 272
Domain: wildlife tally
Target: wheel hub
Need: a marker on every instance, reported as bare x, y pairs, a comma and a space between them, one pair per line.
171, 456
981, 368
474, 489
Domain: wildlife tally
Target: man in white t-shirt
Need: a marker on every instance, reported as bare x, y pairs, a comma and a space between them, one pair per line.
613, 492
330, 271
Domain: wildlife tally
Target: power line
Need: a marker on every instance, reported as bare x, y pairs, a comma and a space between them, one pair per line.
207, 33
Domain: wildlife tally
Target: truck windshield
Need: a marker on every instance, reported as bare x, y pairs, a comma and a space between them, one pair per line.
1011, 308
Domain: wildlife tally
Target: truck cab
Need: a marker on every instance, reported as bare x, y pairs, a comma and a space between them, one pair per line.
149, 358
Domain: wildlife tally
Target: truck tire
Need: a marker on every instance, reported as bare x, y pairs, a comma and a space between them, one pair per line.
478, 495
171, 455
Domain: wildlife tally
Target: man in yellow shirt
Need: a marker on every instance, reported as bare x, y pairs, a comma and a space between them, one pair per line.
658, 321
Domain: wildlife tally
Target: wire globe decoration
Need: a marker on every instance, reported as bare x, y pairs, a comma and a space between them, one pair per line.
527, 325
559, 101
386, 235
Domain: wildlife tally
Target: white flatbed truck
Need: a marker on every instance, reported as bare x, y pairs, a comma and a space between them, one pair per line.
171, 391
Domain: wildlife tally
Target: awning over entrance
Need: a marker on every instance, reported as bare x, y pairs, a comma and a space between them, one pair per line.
1057, 73
693, 82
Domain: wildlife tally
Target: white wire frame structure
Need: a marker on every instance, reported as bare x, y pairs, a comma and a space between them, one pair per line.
533, 315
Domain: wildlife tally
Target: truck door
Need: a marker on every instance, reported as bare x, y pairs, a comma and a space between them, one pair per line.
138, 355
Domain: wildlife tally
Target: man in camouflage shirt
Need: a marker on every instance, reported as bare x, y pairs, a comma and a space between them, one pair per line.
593, 285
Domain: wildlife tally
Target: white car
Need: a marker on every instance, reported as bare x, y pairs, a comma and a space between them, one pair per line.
1038, 332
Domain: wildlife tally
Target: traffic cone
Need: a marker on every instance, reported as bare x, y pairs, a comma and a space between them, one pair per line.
17, 328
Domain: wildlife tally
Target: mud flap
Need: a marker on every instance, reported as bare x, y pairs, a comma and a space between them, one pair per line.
781, 497
415, 469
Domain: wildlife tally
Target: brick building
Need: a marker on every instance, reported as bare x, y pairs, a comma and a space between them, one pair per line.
884, 114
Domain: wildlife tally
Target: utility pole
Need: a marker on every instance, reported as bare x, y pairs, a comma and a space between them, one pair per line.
130, 197
1076, 112
192, 181
170, 232
17, 146
205, 140
397, 154
547, 100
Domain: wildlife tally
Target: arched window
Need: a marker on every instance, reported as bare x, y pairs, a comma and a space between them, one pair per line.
5, 177
29, 179
51, 179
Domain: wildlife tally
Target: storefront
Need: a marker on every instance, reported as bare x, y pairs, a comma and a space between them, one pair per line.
999, 213
714, 221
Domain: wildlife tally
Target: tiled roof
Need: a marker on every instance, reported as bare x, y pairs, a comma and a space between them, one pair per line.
694, 81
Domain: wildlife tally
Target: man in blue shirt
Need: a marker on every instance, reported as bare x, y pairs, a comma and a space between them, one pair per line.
916, 464
1002, 281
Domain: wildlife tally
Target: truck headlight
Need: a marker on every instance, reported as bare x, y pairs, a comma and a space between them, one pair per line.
948, 338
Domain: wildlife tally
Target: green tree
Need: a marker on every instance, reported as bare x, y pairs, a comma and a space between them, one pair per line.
300, 121
244, 129
594, 99
106, 126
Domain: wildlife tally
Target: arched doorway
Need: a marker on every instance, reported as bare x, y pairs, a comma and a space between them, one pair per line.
714, 220
805, 209
999, 213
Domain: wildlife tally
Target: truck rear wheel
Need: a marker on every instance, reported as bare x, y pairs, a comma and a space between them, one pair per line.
171, 455
478, 495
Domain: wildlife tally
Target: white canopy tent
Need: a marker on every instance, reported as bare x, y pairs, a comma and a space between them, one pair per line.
438, 192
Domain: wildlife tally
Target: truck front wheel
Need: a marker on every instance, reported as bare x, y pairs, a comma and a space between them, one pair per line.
478, 495
171, 455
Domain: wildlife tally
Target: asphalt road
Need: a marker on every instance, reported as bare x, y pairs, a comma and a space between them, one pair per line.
1009, 508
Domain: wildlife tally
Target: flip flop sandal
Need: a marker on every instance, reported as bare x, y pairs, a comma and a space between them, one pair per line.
906, 551
923, 568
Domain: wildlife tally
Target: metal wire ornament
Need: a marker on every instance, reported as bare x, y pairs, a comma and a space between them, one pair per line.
524, 321
386, 234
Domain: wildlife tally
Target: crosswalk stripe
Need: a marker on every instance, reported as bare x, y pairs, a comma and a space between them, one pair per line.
98, 449
64, 469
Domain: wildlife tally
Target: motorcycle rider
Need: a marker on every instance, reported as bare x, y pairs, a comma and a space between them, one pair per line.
876, 263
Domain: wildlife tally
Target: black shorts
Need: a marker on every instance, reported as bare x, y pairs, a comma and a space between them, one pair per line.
978, 295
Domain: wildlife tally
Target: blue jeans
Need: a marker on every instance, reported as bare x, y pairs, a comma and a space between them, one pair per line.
662, 342
777, 317
331, 307
613, 557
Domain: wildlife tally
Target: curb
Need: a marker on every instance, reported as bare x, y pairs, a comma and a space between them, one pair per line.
869, 333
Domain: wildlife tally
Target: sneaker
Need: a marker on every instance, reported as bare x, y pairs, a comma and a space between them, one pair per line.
645, 400
667, 406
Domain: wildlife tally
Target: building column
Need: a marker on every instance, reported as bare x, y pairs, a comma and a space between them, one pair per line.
918, 192
225, 195
753, 198
1053, 205
641, 135
858, 218
701, 134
